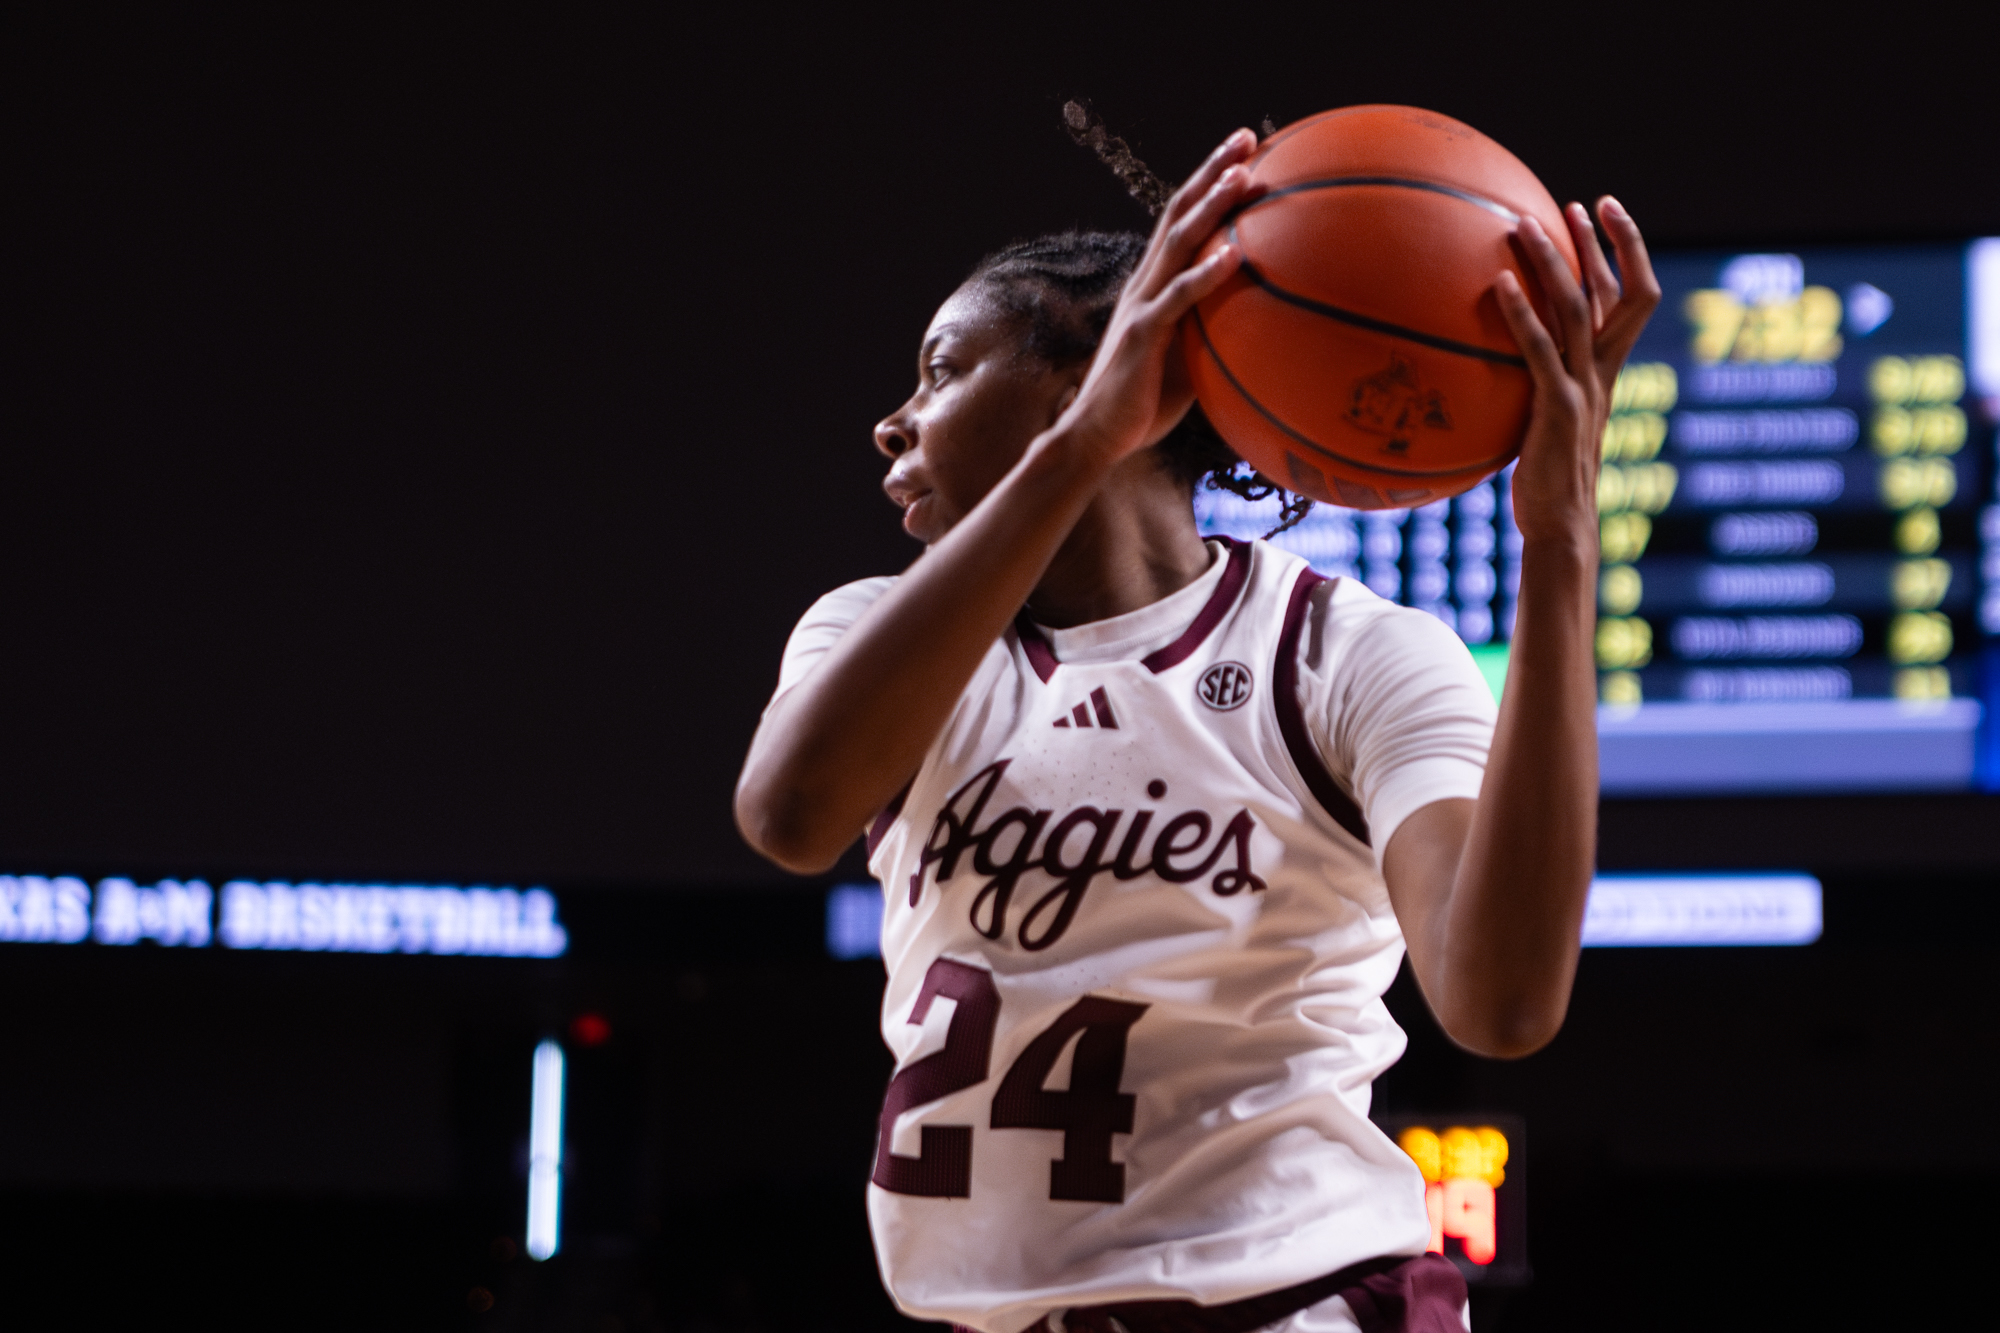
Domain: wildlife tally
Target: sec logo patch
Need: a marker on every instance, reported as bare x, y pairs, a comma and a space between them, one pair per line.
1224, 686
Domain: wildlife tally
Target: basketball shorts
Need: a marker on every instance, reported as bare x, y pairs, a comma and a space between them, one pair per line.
1390, 1295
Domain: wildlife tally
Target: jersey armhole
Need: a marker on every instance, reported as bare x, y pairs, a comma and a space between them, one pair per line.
1292, 720
880, 828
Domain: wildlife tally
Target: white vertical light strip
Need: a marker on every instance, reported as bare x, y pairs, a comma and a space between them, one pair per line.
545, 1151
1982, 306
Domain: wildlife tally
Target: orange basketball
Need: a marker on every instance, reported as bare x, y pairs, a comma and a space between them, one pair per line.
1359, 355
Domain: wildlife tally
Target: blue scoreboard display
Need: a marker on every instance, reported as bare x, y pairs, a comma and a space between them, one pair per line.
1800, 587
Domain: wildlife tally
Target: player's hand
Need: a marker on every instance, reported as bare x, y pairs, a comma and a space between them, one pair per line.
1555, 486
1135, 391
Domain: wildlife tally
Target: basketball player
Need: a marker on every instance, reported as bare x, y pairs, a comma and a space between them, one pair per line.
1157, 817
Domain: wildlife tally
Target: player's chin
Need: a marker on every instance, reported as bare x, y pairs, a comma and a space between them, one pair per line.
927, 518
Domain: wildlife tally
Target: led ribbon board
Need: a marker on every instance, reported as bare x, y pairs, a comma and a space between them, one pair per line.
1623, 911
320, 918
1668, 910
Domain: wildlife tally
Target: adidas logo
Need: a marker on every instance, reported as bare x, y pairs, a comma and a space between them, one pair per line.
1098, 707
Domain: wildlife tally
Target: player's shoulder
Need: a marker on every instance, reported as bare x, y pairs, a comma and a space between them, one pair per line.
822, 626
844, 605
833, 613
1338, 605
1349, 601
1357, 628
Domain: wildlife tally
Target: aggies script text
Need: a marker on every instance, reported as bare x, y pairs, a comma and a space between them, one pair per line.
1177, 855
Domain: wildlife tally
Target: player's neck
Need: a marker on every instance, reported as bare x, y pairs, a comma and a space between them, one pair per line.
1136, 544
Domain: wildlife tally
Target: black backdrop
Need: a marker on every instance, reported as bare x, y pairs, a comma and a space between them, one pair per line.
420, 435
417, 437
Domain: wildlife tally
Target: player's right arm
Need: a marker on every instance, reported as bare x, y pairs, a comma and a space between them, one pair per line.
837, 747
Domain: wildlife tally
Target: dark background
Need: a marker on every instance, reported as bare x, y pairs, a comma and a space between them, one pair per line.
420, 434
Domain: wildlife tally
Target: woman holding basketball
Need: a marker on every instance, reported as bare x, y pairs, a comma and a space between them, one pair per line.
1157, 817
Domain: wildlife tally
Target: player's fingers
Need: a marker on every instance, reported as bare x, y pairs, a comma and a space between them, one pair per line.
1640, 282
1545, 360
1192, 285
1186, 237
1227, 154
1641, 287
1598, 278
1565, 297
1158, 266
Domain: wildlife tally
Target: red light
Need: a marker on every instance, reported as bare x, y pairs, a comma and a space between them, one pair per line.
590, 1030
1468, 1214
1461, 1168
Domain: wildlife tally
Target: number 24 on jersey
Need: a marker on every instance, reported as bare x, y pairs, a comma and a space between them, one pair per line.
1088, 1114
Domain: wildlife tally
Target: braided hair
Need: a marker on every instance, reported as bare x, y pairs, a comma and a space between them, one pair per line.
1062, 287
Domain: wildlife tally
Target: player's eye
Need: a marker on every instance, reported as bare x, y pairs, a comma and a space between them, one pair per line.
938, 371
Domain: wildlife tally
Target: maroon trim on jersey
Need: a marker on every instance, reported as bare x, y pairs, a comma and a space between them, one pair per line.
880, 828
1388, 1295
1292, 717
1040, 656
1234, 576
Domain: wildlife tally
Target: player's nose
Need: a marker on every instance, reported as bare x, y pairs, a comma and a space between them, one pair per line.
894, 434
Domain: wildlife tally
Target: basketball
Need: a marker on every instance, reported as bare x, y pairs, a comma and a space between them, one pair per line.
1359, 355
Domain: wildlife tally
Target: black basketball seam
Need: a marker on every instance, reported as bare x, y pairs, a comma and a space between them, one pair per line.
1201, 327
1400, 182
1369, 322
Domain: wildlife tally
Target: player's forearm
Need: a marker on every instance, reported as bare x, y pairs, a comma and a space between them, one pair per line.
839, 746
1511, 930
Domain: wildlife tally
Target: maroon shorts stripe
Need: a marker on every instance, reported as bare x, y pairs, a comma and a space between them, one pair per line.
1292, 720
1388, 1295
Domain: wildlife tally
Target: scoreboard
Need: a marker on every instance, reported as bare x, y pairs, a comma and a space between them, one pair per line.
1800, 588
1475, 1191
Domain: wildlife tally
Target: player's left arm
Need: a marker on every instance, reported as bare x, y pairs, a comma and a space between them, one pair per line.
1490, 893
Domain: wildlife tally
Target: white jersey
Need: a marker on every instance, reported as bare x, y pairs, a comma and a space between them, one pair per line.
1137, 940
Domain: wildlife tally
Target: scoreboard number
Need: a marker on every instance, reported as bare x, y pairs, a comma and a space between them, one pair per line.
1474, 1179
1805, 328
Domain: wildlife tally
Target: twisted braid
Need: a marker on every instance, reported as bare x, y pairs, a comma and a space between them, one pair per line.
1087, 128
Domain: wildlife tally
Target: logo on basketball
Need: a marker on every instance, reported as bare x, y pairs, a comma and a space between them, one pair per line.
1392, 403
1224, 686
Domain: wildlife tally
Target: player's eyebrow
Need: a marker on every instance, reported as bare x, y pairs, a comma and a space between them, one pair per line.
938, 335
